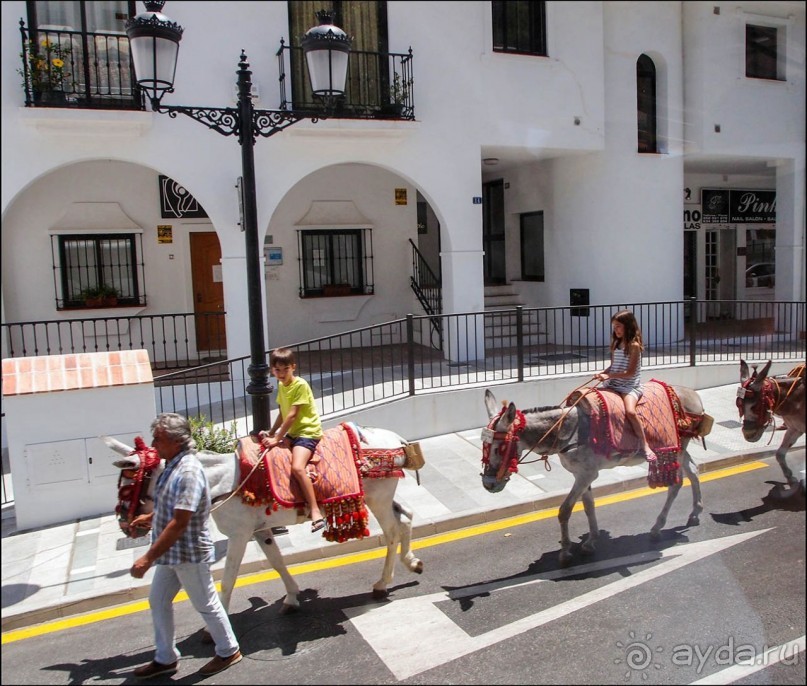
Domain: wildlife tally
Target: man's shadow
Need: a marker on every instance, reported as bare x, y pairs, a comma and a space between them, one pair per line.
780, 497
263, 632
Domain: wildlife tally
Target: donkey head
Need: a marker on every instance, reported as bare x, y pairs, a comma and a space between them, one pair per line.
754, 401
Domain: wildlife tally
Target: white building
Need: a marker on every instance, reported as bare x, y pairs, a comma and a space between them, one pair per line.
564, 151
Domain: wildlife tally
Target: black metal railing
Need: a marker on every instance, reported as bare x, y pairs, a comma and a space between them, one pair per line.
379, 85
173, 341
74, 69
396, 359
393, 360
429, 292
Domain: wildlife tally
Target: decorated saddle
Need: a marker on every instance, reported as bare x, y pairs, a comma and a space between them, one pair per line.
662, 416
336, 470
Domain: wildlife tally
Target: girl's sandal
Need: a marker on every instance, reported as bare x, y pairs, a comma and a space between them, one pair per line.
317, 525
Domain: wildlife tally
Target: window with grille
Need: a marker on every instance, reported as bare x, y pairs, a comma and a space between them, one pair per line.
760, 52
92, 270
519, 26
335, 262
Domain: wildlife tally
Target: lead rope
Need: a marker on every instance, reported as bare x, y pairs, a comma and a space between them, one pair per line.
559, 423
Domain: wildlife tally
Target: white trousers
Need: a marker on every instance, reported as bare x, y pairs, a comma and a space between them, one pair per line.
197, 581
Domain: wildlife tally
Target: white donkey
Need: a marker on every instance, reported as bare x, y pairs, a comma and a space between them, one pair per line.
240, 522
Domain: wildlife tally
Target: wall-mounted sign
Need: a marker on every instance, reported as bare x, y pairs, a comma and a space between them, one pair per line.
400, 196
274, 256
165, 233
477, 200
176, 202
730, 206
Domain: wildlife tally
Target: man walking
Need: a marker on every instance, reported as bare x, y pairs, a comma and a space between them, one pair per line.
182, 550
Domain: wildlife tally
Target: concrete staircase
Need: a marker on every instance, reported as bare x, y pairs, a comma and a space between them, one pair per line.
500, 319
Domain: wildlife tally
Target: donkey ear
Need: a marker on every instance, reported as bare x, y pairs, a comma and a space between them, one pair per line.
743, 371
127, 463
765, 370
511, 413
490, 404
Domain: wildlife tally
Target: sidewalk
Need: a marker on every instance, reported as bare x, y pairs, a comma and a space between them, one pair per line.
57, 571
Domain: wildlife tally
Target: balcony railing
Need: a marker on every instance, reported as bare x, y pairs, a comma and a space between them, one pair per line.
95, 70
379, 85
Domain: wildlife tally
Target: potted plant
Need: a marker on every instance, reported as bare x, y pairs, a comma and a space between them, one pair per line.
398, 97
46, 70
100, 296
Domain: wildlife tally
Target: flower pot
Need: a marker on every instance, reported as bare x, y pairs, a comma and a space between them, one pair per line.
105, 301
49, 98
335, 289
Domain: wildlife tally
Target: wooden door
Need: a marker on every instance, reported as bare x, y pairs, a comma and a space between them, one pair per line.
208, 292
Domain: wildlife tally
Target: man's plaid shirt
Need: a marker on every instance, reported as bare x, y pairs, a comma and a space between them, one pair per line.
183, 486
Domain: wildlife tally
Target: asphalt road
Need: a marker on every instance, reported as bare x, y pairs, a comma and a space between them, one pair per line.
493, 607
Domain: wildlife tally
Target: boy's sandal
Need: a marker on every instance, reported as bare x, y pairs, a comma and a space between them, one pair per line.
317, 525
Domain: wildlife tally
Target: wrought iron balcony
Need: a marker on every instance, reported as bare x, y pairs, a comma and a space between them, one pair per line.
71, 69
379, 85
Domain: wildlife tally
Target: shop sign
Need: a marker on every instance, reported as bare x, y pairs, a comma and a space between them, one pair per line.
730, 206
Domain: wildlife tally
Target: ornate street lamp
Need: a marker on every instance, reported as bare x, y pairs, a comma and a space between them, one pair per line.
154, 40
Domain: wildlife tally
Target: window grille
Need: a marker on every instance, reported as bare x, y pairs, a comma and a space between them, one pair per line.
335, 262
86, 266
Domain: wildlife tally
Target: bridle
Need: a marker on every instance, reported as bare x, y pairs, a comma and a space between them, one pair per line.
133, 494
508, 448
766, 401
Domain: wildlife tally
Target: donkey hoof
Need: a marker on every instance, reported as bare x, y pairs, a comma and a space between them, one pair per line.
380, 593
287, 609
588, 549
418, 568
694, 520
564, 558
655, 535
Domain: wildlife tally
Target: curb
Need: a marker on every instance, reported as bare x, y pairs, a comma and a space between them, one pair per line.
91, 601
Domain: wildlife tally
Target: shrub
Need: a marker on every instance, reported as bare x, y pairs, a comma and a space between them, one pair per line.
212, 438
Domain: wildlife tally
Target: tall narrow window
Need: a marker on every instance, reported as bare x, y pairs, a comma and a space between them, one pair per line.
760, 52
532, 246
519, 26
646, 104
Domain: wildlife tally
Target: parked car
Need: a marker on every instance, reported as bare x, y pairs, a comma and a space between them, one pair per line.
761, 275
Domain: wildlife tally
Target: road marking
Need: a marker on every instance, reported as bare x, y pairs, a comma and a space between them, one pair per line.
746, 667
91, 617
429, 638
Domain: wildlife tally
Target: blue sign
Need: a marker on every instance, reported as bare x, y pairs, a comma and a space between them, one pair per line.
477, 200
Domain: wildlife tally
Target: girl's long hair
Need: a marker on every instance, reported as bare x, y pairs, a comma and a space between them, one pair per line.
632, 331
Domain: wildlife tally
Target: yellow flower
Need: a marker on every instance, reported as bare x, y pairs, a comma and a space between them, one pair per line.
57, 63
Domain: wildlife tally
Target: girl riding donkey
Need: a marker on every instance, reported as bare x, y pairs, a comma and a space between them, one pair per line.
623, 375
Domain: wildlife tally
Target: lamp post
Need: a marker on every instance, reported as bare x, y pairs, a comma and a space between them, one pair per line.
154, 40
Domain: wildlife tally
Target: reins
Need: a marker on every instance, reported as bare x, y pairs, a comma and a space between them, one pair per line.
511, 435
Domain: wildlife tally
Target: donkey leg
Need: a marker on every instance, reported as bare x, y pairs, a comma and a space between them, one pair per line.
590, 544
378, 496
791, 436
691, 472
278, 563
581, 483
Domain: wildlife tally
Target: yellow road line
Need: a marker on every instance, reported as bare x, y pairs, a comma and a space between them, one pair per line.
354, 558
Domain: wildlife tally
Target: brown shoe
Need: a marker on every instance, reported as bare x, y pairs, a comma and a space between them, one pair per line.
219, 664
153, 669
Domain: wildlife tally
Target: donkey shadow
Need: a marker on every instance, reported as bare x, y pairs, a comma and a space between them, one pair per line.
778, 498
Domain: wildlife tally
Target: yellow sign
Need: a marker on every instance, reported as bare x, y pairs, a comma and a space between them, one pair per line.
165, 233
400, 196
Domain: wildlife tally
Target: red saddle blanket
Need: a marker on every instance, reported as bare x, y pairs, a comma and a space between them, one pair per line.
266, 480
610, 433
